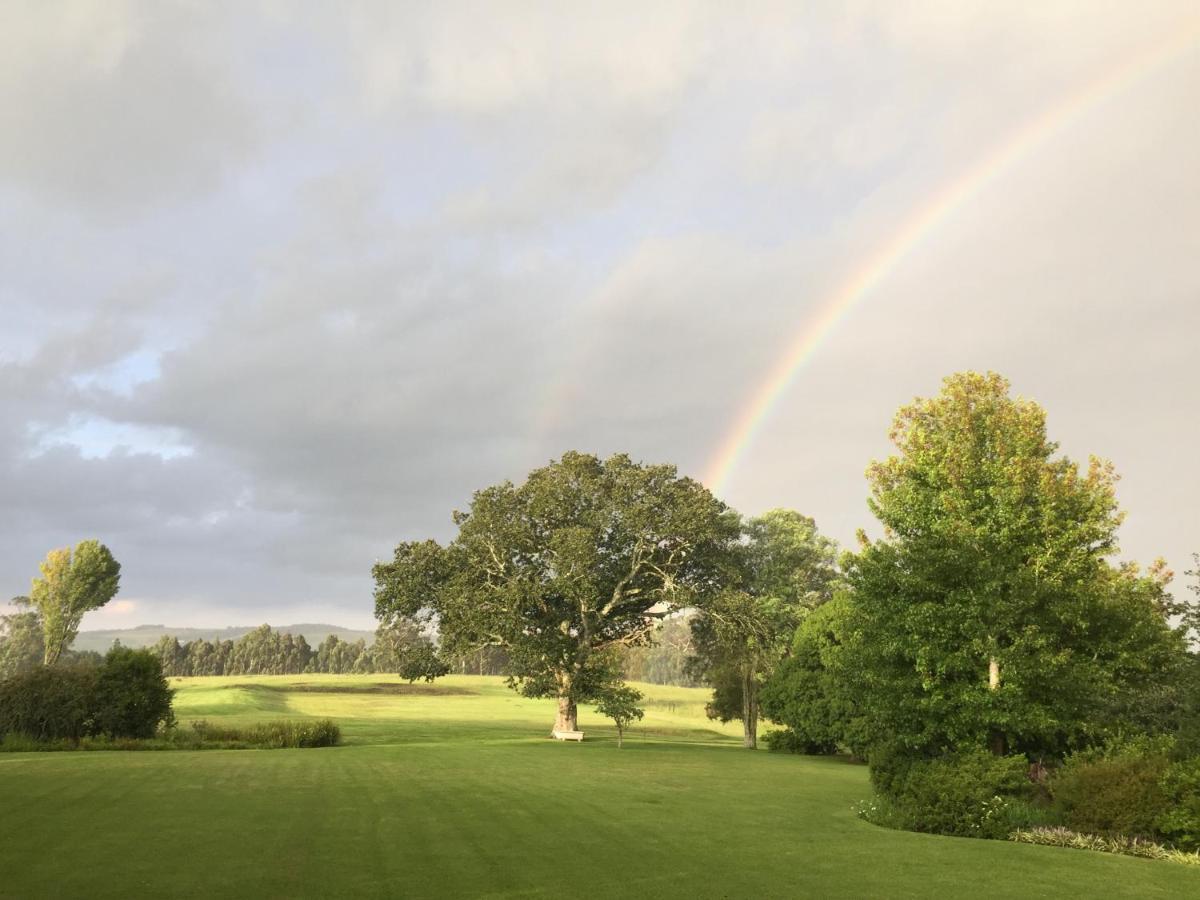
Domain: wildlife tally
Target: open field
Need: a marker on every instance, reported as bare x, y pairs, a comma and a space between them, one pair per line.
453, 790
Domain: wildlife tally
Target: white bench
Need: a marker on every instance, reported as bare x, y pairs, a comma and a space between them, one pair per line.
567, 735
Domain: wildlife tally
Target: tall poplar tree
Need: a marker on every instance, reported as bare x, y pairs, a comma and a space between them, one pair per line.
72, 583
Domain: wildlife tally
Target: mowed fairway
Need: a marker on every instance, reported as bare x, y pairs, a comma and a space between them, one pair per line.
459, 793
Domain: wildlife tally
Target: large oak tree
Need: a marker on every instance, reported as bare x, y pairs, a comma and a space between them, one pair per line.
584, 557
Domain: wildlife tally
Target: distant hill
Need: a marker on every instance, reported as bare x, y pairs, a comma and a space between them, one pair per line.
145, 635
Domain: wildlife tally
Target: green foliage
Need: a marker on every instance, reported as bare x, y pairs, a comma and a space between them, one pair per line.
132, 698
421, 662
789, 561
271, 735
1169, 704
1114, 791
785, 740
620, 703
742, 633
736, 637
994, 552
264, 651
1179, 823
967, 794
46, 703
71, 584
1126, 846
811, 694
584, 556
126, 696
22, 646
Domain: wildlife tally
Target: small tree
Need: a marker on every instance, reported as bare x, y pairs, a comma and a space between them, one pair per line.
72, 584
619, 703
421, 661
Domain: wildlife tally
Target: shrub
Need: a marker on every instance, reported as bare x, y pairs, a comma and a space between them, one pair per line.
788, 741
126, 696
1114, 791
970, 794
132, 698
45, 704
1180, 821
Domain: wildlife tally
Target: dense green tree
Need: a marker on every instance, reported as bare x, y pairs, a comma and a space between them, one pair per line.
810, 693
787, 569
71, 584
132, 698
21, 643
986, 614
584, 556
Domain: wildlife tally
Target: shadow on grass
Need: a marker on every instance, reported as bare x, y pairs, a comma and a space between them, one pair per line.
302, 687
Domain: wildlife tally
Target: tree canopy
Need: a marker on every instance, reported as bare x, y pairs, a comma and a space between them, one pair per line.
584, 556
987, 612
71, 584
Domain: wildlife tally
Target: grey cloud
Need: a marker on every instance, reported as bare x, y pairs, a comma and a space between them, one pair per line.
109, 106
386, 257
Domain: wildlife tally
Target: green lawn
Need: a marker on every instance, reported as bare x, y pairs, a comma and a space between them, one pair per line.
459, 793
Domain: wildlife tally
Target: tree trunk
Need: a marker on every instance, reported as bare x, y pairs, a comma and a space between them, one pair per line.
568, 715
620, 736
997, 741
749, 709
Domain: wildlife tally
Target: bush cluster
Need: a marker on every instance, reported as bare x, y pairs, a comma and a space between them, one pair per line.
1115, 793
1135, 796
969, 794
1138, 788
198, 736
785, 740
126, 696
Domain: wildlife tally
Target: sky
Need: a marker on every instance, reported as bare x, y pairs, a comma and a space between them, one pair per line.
282, 284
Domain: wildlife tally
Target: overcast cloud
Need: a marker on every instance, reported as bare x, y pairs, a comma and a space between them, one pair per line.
282, 284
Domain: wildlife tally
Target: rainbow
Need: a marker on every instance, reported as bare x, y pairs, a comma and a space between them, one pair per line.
915, 229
